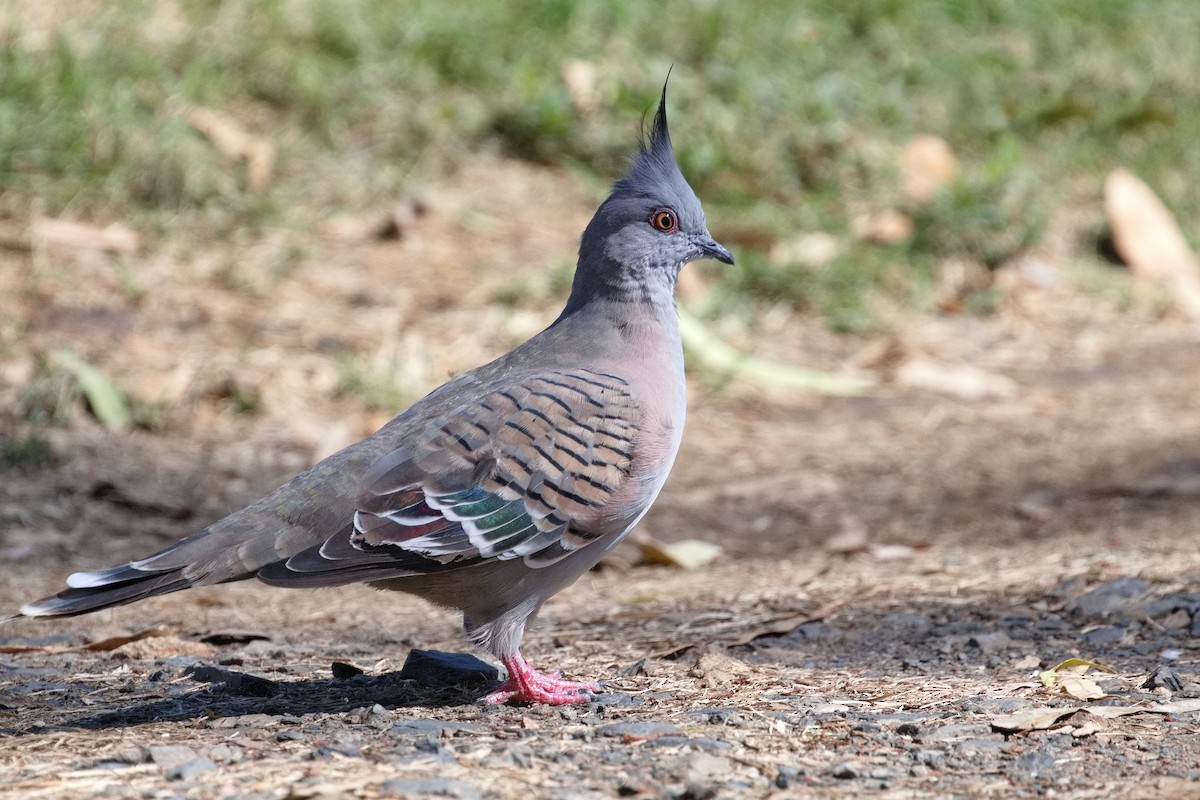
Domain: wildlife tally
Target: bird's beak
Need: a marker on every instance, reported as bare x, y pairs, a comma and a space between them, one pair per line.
709, 248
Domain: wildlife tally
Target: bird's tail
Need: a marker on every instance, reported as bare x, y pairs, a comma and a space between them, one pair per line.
205, 557
121, 585
233, 549
299, 515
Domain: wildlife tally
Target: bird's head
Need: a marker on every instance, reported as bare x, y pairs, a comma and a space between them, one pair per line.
650, 225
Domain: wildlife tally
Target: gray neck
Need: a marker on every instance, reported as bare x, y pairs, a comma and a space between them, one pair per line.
650, 288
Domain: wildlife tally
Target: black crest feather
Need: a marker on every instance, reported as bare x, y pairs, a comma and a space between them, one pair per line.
660, 135
654, 164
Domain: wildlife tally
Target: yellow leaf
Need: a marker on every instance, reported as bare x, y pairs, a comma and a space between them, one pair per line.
1072, 666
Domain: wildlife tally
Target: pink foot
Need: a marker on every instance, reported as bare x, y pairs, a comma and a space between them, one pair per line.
526, 685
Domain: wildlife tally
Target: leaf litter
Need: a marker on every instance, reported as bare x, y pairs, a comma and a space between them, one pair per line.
783, 665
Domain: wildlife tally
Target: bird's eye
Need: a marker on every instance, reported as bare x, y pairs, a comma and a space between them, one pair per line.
664, 219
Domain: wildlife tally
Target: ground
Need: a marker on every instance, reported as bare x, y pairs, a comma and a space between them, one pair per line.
896, 571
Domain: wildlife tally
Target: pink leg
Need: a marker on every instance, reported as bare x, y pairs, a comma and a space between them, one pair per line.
526, 685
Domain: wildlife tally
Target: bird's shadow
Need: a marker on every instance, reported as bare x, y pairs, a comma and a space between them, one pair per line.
229, 695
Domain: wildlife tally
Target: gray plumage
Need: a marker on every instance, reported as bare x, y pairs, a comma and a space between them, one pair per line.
505, 484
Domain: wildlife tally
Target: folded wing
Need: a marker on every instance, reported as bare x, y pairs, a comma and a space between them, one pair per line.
527, 471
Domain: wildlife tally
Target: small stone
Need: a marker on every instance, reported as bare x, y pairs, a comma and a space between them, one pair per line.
343, 671
988, 643
1107, 634
1034, 764
982, 704
133, 755
225, 754
905, 621
638, 730
192, 769
699, 742
706, 774
981, 746
1179, 618
1121, 598
847, 771
171, 756
431, 727
238, 684
436, 669
1164, 677
431, 787
817, 632
958, 731
787, 776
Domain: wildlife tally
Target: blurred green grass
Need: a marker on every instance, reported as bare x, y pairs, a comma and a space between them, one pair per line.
787, 115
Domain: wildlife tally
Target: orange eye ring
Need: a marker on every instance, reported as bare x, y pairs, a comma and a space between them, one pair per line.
664, 220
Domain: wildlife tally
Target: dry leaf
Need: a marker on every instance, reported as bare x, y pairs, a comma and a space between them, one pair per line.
101, 646
852, 538
1088, 728
812, 250
164, 647
1037, 719
685, 554
115, 238
887, 227
1071, 667
104, 398
926, 165
581, 79
1110, 712
957, 380
231, 139
1081, 688
1028, 662
113, 642
1150, 241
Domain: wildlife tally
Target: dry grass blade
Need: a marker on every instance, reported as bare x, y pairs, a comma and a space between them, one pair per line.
720, 357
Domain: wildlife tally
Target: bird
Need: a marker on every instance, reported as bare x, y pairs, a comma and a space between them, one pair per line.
505, 484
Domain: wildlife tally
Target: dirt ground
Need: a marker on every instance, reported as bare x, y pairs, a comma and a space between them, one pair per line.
896, 568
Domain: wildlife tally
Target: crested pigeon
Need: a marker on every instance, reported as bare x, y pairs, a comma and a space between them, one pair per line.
505, 484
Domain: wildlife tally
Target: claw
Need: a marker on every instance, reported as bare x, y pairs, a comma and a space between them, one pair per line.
526, 685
